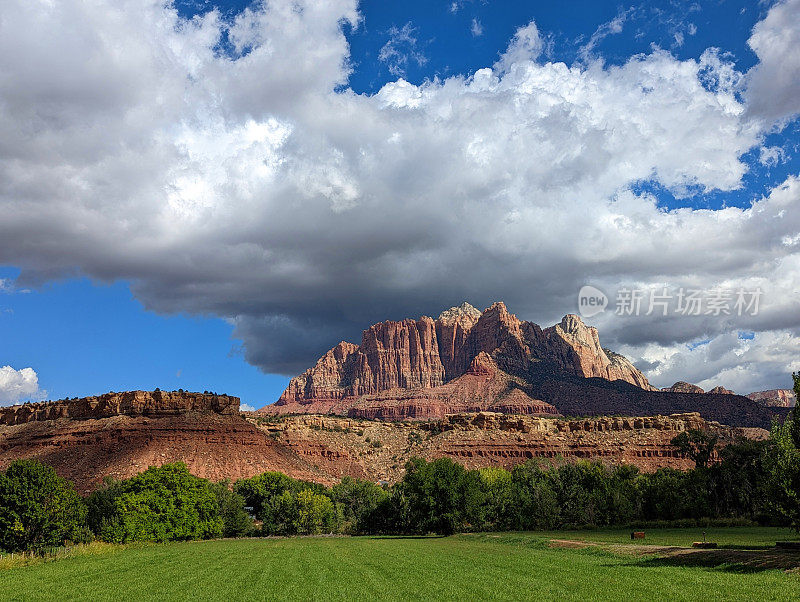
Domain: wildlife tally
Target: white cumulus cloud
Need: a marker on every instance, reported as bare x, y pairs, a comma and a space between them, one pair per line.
254, 185
19, 385
773, 88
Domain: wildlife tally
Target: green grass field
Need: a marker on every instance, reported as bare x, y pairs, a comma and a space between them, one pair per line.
510, 566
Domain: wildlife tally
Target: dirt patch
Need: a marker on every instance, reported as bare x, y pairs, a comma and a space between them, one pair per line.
642, 549
571, 543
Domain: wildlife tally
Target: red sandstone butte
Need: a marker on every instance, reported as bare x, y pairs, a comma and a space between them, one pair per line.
467, 360
122, 434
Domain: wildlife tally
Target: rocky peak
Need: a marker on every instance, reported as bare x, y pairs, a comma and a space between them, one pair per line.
482, 365
465, 314
572, 324
684, 387
498, 333
572, 329
721, 390
576, 348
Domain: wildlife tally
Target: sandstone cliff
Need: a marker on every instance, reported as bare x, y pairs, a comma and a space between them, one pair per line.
484, 386
346, 446
424, 368
778, 398
577, 348
129, 403
452, 328
122, 434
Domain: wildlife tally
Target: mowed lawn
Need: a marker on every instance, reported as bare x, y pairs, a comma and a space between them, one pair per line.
511, 566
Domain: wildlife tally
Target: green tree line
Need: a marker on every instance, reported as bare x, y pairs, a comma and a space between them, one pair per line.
752, 480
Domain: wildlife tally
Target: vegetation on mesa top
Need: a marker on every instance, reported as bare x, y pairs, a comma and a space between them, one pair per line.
754, 481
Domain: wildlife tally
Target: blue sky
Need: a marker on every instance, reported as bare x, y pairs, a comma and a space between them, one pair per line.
92, 321
86, 339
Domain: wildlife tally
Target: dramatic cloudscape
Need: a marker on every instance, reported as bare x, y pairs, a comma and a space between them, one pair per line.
289, 172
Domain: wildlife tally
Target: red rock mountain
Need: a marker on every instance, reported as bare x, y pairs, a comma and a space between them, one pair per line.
778, 398
483, 387
466, 361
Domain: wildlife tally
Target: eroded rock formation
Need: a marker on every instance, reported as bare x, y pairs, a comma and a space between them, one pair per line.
777, 398
427, 368
129, 403
483, 386
122, 434
348, 446
576, 347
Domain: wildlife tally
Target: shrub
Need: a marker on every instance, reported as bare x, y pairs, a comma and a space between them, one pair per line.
161, 504
38, 508
261, 492
414, 438
433, 495
273, 499
696, 445
534, 500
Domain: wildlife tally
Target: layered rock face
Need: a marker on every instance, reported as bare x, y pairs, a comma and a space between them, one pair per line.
217, 443
452, 328
325, 382
392, 354
483, 387
343, 446
122, 434
776, 398
430, 358
398, 354
129, 403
